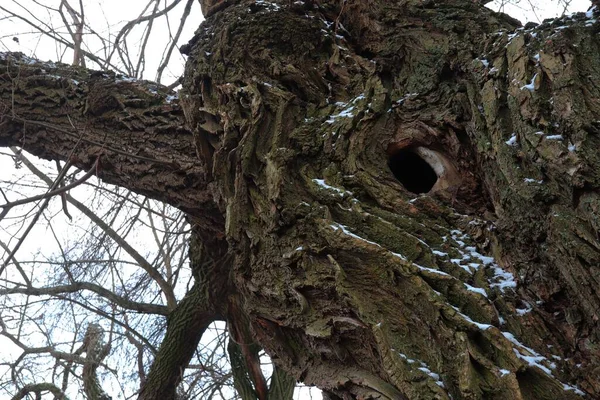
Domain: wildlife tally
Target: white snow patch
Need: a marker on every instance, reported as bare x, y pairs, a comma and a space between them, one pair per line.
359, 97
590, 13
512, 141
406, 97
484, 259
346, 113
526, 310
321, 182
530, 180
457, 261
504, 279
435, 376
435, 271
511, 338
424, 368
270, 6
485, 62
126, 79
534, 359
481, 326
344, 229
573, 388
400, 256
531, 85
408, 360
470, 288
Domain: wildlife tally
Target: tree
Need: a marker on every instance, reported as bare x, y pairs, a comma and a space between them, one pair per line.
112, 280
394, 199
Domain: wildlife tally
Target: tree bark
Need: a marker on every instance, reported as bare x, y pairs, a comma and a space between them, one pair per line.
205, 303
483, 287
137, 129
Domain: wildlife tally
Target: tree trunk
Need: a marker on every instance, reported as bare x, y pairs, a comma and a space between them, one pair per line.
310, 130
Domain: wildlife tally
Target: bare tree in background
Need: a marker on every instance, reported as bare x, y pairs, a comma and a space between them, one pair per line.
532, 6
122, 47
98, 302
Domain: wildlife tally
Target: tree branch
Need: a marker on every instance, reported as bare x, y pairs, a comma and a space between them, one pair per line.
38, 388
185, 327
144, 308
47, 108
166, 288
6, 207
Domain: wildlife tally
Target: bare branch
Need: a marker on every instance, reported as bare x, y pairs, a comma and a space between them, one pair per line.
127, 28
123, 302
38, 389
174, 41
152, 272
6, 207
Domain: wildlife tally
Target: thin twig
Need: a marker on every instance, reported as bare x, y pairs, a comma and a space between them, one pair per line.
38, 214
165, 60
50, 193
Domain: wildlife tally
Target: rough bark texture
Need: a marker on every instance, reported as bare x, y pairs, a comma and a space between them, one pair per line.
137, 130
205, 303
95, 352
484, 288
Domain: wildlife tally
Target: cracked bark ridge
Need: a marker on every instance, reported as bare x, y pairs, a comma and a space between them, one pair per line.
58, 111
353, 284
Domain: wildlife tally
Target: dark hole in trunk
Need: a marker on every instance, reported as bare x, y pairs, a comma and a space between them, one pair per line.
415, 174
